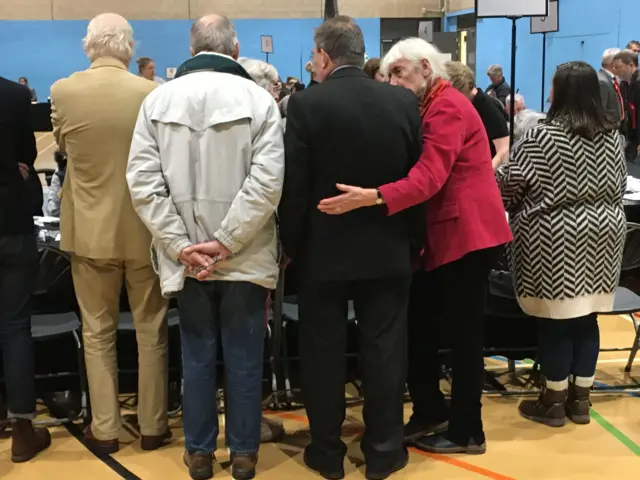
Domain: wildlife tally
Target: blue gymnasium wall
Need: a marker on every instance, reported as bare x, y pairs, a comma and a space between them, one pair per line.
587, 29
47, 50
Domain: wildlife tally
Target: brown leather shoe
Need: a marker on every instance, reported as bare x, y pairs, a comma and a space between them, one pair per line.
243, 466
154, 442
200, 465
271, 430
102, 447
27, 441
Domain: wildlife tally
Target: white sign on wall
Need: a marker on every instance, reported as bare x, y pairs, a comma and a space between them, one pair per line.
511, 8
425, 30
267, 43
171, 73
549, 23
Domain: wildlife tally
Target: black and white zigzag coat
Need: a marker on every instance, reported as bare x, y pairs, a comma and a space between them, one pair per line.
564, 195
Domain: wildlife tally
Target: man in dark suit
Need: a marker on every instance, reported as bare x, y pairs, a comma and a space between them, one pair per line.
18, 263
499, 87
626, 66
349, 129
610, 92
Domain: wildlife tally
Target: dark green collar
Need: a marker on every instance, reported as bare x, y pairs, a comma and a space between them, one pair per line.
212, 62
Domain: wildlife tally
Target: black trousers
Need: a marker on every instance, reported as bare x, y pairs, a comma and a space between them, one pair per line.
381, 312
18, 269
447, 308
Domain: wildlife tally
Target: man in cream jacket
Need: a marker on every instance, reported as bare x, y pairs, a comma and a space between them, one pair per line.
205, 172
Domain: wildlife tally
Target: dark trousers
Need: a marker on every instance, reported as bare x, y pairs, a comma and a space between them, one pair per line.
235, 315
568, 347
381, 312
18, 266
449, 304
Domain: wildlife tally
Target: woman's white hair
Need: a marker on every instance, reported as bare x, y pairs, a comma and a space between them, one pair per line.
264, 74
109, 35
415, 50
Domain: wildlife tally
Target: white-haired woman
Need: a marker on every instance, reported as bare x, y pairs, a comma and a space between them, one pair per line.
263, 73
466, 225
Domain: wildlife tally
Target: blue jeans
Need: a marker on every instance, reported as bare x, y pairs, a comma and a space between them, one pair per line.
568, 347
235, 314
18, 268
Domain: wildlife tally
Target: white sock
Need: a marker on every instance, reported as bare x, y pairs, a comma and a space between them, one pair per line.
584, 382
558, 386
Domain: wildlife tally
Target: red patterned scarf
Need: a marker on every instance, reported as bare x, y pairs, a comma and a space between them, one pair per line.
433, 92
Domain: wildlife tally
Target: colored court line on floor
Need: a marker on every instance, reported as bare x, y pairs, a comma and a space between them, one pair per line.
463, 465
622, 438
108, 460
603, 422
434, 456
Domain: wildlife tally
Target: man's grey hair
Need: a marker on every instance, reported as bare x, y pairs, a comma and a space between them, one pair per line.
519, 99
213, 33
109, 35
494, 70
607, 56
342, 39
264, 74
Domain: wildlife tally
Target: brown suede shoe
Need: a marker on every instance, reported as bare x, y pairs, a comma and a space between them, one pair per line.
200, 465
154, 442
243, 466
27, 441
547, 409
101, 447
271, 430
578, 405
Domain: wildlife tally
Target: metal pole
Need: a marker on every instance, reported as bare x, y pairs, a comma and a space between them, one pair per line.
544, 66
512, 105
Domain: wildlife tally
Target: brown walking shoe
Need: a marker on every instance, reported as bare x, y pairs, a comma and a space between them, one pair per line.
101, 447
243, 466
547, 409
154, 442
200, 465
578, 405
28, 441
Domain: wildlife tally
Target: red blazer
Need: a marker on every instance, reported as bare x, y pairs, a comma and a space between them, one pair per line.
455, 177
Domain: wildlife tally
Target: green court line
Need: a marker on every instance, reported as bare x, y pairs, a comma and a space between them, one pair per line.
604, 423
622, 438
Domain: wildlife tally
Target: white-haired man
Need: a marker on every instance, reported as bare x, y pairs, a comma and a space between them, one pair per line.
499, 88
94, 113
466, 229
519, 104
610, 91
205, 173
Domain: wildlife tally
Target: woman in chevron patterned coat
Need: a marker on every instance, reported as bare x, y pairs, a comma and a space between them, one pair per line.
563, 189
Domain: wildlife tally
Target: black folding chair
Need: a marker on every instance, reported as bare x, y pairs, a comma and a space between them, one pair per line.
55, 322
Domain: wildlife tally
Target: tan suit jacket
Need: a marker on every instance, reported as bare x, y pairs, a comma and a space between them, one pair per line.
94, 113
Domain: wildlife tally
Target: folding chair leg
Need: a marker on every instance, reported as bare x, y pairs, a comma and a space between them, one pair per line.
636, 345
84, 382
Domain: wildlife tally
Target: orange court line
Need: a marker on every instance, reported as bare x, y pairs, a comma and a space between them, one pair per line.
435, 456
461, 464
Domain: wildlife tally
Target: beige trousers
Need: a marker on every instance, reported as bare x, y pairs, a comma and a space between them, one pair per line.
98, 284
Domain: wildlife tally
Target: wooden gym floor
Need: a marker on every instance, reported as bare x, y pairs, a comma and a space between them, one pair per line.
517, 449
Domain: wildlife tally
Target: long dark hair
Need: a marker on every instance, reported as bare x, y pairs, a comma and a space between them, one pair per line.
576, 103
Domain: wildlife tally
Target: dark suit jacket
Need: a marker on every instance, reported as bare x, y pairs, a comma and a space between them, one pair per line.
635, 100
349, 129
18, 146
609, 95
500, 91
